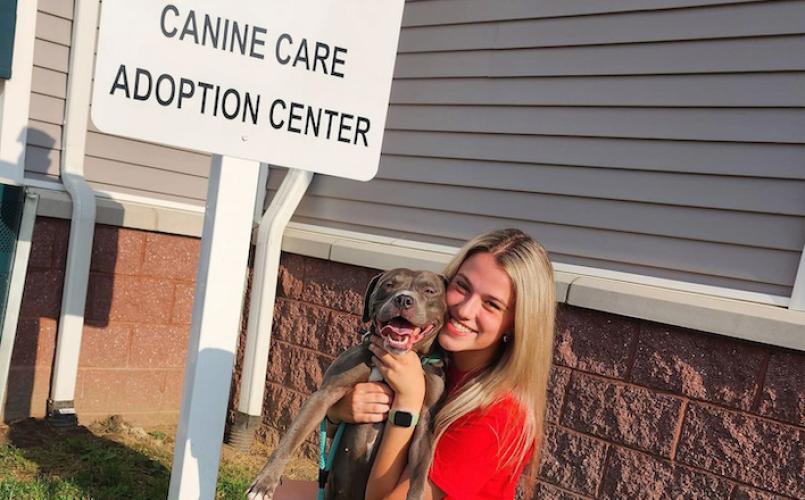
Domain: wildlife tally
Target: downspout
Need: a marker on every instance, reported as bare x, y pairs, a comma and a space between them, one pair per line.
261, 305
61, 404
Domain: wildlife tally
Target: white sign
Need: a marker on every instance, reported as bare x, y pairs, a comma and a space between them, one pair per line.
302, 84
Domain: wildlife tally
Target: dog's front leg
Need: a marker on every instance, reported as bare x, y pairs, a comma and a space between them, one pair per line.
308, 420
420, 454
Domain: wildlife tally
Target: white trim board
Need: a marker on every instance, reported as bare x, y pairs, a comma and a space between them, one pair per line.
747, 315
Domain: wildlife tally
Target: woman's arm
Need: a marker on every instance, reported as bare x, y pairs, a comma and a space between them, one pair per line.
404, 375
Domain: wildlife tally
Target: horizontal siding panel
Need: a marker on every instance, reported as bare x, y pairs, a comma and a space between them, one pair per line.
111, 147
44, 135
51, 55
719, 226
53, 29
49, 82
760, 160
727, 90
744, 263
784, 53
144, 179
42, 160
115, 189
46, 109
752, 19
61, 8
445, 11
747, 125
773, 196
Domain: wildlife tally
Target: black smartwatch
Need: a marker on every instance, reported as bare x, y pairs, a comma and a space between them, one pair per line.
402, 418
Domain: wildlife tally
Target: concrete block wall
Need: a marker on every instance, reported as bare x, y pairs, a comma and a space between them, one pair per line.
636, 409
137, 321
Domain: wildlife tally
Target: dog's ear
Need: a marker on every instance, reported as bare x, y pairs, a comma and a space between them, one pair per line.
367, 313
444, 280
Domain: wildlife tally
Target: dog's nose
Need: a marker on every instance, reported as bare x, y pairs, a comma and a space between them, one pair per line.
404, 301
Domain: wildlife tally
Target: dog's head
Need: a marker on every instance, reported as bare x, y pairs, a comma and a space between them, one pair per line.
406, 308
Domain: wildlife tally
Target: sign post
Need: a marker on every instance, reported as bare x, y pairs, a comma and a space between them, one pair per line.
301, 84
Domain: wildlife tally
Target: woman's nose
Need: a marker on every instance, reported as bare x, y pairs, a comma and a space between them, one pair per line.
467, 308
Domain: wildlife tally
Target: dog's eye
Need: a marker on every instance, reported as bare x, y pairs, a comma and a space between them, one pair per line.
388, 284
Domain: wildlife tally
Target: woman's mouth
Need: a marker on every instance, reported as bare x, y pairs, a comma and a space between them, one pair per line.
456, 328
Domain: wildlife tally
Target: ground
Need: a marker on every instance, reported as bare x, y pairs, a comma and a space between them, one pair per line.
111, 459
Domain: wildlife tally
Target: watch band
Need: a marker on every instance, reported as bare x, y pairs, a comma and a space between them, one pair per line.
403, 418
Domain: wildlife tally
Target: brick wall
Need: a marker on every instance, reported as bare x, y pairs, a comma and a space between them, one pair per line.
137, 321
636, 409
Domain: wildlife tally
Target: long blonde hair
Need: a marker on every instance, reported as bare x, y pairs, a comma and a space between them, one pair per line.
523, 365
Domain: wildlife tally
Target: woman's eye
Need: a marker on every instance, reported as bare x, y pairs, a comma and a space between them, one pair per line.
493, 305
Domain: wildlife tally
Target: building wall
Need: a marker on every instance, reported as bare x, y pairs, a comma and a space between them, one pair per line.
137, 322
635, 407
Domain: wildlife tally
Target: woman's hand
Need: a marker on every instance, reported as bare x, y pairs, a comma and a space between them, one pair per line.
403, 373
367, 402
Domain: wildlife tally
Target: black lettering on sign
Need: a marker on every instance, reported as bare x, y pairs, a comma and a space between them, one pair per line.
209, 31
301, 55
121, 71
321, 53
294, 117
206, 87
233, 114
287, 38
165, 78
276, 125
190, 27
186, 90
337, 60
361, 128
139, 75
257, 41
344, 126
172, 33
312, 122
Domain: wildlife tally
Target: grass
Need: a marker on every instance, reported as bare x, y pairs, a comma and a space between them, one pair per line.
111, 459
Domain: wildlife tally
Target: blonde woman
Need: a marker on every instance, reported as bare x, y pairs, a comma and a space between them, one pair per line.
498, 338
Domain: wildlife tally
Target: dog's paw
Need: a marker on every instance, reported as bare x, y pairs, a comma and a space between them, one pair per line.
262, 489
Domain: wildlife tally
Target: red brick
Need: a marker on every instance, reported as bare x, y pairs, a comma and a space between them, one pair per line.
27, 392
117, 250
630, 415
106, 347
783, 395
281, 406
336, 286
698, 365
593, 341
42, 294
317, 328
117, 391
746, 493
546, 491
291, 279
141, 300
572, 461
172, 257
750, 449
99, 299
172, 399
34, 342
183, 297
49, 243
156, 346
630, 474
557, 386
297, 368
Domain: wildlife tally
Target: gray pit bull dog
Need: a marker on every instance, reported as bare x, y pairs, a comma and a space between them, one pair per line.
406, 309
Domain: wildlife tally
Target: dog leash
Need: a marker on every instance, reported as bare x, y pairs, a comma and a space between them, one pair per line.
326, 459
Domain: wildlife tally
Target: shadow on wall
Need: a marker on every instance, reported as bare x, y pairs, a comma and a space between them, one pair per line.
34, 348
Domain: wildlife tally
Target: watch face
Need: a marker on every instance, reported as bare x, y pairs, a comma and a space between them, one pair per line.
403, 419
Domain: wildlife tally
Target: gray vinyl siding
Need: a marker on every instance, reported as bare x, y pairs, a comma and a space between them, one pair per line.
657, 137
663, 138
112, 163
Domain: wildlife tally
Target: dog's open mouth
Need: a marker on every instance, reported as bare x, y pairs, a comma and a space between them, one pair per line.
400, 334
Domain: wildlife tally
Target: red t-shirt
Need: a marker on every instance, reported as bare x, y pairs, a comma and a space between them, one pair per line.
466, 461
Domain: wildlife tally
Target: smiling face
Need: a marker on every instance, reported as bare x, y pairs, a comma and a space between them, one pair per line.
480, 309
407, 308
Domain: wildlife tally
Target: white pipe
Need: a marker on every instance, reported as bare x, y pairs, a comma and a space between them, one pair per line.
15, 96
82, 226
264, 287
15, 289
797, 302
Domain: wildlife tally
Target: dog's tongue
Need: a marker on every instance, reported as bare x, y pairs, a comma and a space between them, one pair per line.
399, 327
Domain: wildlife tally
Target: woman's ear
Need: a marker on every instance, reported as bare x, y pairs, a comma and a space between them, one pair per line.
367, 303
